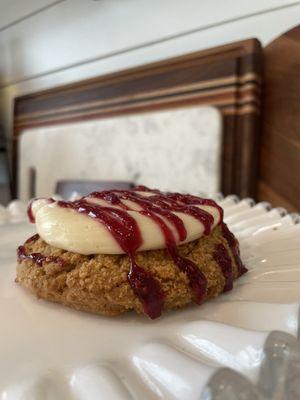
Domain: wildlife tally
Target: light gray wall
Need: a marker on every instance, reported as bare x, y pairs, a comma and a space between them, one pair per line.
48, 43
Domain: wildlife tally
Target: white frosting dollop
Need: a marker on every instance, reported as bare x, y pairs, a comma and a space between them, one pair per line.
67, 229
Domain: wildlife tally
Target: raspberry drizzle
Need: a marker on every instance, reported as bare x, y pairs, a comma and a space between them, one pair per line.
161, 208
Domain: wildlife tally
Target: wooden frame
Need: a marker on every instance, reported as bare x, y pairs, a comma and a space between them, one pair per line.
228, 77
279, 172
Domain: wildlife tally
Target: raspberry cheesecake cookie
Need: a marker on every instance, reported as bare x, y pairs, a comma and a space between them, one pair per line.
121, 250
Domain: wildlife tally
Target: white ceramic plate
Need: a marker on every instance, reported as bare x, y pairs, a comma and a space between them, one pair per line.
51, 352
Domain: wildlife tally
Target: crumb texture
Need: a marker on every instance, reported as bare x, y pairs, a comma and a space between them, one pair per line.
98, 283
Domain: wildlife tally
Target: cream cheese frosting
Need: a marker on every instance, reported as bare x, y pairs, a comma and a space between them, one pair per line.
69, 229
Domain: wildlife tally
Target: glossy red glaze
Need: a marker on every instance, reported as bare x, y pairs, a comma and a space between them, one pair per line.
33, 238
30, 213
222, 257
38, 258
29, 208
234, 246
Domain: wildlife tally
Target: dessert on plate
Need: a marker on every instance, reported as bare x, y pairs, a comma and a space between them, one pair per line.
121, 250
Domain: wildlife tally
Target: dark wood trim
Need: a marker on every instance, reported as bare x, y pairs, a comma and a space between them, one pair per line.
279, 171
227, 77
266, 193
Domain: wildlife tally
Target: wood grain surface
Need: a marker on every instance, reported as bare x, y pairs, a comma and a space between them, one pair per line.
279, 172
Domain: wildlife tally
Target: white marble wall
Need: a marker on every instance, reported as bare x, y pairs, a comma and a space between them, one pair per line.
173, 150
